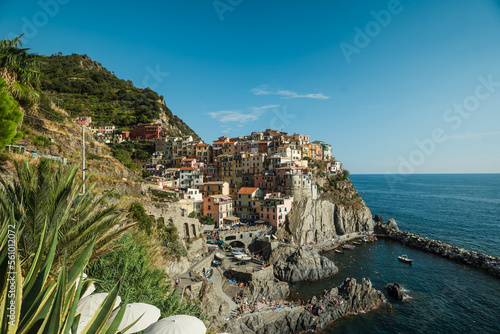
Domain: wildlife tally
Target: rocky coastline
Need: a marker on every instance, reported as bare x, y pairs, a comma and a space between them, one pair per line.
461, 255
318, 313
299, 264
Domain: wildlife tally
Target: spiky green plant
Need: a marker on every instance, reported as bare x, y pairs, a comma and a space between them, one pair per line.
41, 195
32, 300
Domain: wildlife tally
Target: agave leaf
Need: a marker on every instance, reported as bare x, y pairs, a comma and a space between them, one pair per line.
80, 263
53, 320
113, 327
41, 278
70, 317
36, 264
18, 293
98, 320
74, 326
37, 310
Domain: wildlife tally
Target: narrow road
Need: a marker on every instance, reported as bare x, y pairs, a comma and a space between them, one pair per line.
217, 279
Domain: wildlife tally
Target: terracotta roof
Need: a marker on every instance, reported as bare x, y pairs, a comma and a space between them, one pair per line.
247, 191
202, 144
218, 142
188, 168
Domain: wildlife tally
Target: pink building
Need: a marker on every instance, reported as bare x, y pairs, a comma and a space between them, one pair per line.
189, 162
146, 132
218, 207
83, 120
275, 209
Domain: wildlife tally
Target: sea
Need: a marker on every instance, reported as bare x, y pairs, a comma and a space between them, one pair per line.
444, 296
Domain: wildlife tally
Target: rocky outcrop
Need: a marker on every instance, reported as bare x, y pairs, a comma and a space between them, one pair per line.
314, 221
396, 291
213, 306
472, 258
261, 284
338, 211
378, 218
349, 298
302, 265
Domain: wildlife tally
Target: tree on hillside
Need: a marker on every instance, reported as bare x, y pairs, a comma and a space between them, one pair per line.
20, 70
10, 118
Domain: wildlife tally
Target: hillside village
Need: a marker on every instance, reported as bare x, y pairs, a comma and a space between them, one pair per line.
235, 181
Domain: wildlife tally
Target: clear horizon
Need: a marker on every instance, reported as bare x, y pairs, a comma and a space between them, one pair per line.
394, 86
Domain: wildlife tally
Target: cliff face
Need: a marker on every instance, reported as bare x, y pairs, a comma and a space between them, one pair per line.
339, 210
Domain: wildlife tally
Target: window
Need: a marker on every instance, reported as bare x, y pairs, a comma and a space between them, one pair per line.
209, 208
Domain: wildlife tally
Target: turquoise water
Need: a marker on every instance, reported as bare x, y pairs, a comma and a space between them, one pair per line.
446, 297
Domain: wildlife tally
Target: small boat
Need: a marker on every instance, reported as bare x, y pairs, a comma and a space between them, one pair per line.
219, 256
209, 274
339, 251
349, 247
216, 263
405, 259
356, 243
243, 257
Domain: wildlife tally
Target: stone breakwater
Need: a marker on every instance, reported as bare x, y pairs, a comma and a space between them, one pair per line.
318, 313
464, 256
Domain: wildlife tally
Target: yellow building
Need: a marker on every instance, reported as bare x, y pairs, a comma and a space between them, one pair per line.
203, 153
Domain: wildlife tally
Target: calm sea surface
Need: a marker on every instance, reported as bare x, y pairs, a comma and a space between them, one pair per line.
460, 209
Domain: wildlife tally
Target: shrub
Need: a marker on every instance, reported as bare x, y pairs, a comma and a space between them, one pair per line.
143, 282
138, 214
207, 220
41, 141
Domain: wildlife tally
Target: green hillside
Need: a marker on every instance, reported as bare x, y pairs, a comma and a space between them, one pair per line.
83, 87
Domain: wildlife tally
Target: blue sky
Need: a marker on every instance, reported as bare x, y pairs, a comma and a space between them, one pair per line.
394, 86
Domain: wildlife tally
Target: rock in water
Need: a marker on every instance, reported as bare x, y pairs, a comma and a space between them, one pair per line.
396, 291
303, 265
378, 218
392, 225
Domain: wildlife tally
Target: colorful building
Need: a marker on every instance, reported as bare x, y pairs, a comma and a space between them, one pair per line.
218, 207
146, 132
275, 209
247, 203
83, 120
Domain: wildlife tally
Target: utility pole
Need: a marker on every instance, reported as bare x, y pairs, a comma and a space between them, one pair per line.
83, 157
